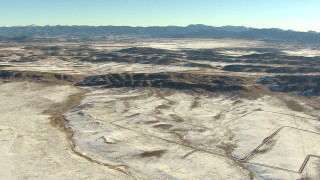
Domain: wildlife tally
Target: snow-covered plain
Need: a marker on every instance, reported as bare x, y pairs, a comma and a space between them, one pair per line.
180, 44
151, 134
303, 52
30, 147
185, 131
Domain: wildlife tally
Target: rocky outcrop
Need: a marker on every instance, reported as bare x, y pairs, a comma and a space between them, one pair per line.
29, 75
303, 85
271, 69
179, 81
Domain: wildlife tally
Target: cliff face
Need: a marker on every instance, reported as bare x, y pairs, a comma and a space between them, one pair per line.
166, 80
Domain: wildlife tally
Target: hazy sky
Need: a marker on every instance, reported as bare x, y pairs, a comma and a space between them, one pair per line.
299, 15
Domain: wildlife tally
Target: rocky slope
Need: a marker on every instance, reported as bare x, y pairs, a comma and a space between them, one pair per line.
167, 80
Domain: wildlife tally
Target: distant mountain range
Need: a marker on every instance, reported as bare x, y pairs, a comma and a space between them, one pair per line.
191, 31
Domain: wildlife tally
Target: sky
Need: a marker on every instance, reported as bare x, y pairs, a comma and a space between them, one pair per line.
300, 15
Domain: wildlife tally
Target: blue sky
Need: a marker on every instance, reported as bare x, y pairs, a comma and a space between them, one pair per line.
299, 15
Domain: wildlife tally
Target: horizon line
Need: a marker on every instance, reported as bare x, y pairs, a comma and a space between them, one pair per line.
35, 25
